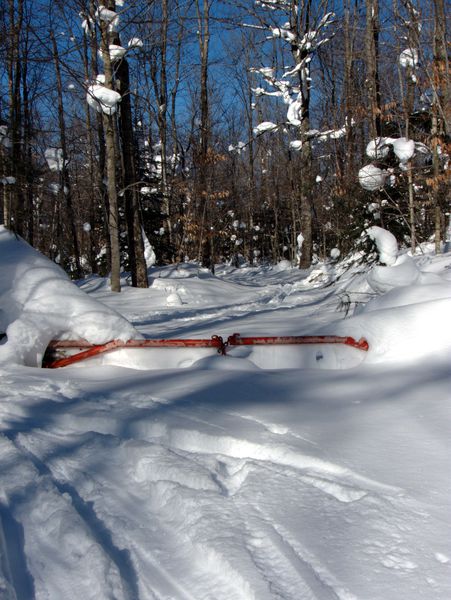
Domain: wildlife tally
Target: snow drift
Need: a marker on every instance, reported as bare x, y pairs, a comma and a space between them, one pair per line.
39, 303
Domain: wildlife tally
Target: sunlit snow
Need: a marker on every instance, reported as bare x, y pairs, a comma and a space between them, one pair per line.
283, 472
408, 57
54, 158
102, 99
372, 178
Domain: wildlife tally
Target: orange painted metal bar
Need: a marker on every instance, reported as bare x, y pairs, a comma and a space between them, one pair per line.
89, 350
237, 340
214, 342
94, 350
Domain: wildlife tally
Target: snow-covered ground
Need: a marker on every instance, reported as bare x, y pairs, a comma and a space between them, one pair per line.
227, 478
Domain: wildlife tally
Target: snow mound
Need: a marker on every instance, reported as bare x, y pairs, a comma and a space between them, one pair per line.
405, 322
386, 244
283, 265
40, 303
409, 295
174, 299
403, 272
402, 334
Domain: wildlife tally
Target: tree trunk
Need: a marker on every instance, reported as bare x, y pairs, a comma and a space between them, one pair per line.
372, 66
441, 113
65, 183
14, 216
27, 154
138, 265
302, 26
203, 34
109, 124
159, 79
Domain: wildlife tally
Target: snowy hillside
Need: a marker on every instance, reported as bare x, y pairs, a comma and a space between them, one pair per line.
271, 473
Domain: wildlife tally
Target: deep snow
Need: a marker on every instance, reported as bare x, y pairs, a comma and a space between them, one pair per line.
228, 478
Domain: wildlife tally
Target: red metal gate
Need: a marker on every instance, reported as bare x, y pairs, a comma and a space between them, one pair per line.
53, 358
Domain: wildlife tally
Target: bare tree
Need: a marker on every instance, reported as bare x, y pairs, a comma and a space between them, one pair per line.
372, 66
303, 33
441, 115
129, 172
65, 186
110, 128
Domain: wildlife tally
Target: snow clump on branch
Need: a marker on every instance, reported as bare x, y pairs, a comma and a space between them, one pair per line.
116, 52
386, 244
372, 178
378, 148
404, 149
135, 43
101, 98
108, 16
409, 58
54, 158
303, 47
265, 126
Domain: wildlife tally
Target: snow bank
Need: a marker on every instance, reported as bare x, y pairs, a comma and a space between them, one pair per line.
406, 321
403, 272
39, 303
408, 333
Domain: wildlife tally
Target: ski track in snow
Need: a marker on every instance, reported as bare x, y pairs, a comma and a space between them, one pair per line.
287, 570
292, 571
176, 321
220, 465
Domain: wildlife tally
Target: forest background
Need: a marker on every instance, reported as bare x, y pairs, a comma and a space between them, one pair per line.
208, 130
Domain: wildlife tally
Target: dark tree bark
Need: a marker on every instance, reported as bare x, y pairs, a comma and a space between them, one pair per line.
138, 266
13, 211
372, 66
109, 124
441, 115
206, 251
65, 188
